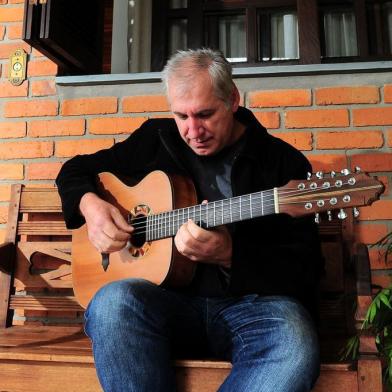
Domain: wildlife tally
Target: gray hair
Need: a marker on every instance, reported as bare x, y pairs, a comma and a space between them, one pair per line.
185, 63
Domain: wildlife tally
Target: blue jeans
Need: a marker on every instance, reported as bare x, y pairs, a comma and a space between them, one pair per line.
136, 326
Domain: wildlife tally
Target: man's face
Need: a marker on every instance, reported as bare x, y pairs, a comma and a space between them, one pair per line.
204, 121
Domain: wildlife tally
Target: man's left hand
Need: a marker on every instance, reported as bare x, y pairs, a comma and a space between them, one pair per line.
206, 246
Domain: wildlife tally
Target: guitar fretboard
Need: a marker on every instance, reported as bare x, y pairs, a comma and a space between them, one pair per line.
211, 214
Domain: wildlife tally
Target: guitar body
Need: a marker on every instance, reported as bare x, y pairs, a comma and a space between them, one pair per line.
156, 261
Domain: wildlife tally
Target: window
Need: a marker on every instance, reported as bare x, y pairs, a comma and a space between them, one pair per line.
139, 35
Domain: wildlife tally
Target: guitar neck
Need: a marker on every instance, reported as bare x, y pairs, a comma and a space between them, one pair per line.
212, 214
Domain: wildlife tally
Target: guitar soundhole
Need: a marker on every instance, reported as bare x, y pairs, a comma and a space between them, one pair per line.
138, 246
138, 237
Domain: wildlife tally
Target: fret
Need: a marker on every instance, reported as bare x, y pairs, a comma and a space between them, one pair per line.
222, 209
250, 206
262, 202
214, 214
207, 216
231, 211
240, 208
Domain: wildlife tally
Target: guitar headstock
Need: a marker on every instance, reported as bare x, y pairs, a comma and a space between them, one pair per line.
321, 193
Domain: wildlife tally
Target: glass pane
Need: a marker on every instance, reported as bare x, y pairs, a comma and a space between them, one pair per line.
173, 4
284, 36
388, 13
340, 34
177, 35
232, 37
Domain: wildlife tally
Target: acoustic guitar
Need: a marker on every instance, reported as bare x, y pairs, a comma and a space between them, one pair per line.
158, 205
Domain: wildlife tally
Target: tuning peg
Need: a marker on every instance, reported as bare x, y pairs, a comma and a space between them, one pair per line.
355, 212
345, 172
342, 214
333, 174
357, 169
329, 213
320, 175
317, 217
308, 175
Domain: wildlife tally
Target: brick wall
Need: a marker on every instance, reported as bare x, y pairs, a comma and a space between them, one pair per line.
336, 120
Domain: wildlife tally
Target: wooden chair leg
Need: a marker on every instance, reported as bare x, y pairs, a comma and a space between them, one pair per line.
369, 375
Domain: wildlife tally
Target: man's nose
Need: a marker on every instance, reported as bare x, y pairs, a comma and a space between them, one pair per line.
194, 127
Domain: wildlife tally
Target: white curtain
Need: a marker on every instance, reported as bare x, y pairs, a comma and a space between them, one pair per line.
139, 35
232, 37
178, 39
340, 34
284, 36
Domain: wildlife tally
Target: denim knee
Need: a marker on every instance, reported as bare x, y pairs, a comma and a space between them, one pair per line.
112, 302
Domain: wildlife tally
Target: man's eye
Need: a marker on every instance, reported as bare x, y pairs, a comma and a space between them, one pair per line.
205, 115
181, 116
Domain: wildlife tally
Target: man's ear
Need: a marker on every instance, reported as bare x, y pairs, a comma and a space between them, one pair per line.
235, 99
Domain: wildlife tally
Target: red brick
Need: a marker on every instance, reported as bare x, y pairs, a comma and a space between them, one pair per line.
115, 125
14, 31
100, 105
37, 53
3, 1
42, 68
42, 88
12, 129
385, 181
388, 93
14, 14
44, 128
389, 138
319, 118
43, 171
16, 1
3, 214
7, 49
370, 233
377, 259
376, 162
5, 192
69, 148
25, 150
279, 98
327, 162
2, 32
349, 140
269, 120
383, 281
347, 95
372, 116
10, 171
31, 108
300, 140
380, 209
145, 103
7, 90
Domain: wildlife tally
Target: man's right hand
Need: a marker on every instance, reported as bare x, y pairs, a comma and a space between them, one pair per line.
107, 229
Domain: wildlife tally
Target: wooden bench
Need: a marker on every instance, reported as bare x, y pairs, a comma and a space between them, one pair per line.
42, 344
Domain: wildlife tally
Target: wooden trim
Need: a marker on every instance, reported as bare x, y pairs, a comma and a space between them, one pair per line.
308, 32
43, 228
46, 303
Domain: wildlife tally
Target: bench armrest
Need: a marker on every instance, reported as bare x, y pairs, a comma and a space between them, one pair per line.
7, 257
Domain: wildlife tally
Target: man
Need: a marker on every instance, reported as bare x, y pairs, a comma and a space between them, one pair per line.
253, 278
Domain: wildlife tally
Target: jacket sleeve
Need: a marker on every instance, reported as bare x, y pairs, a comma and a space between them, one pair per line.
78, 175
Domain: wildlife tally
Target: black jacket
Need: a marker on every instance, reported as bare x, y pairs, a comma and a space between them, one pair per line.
272, 255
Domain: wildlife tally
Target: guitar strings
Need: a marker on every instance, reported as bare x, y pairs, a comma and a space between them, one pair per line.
204, 210
162, 220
